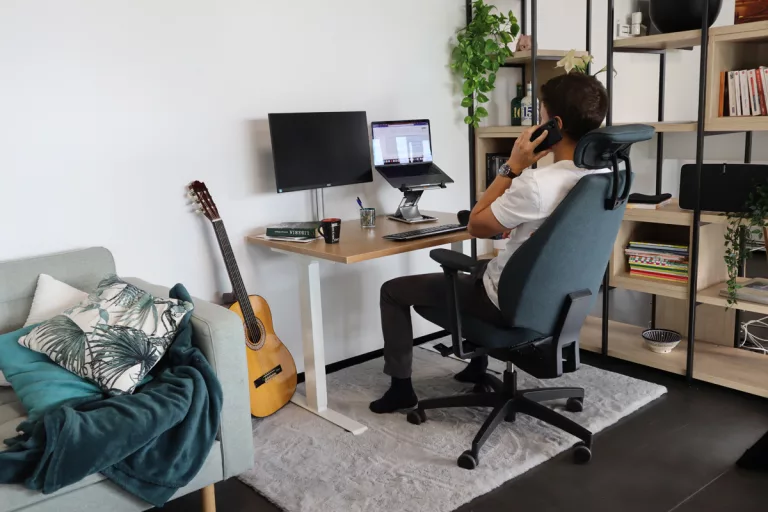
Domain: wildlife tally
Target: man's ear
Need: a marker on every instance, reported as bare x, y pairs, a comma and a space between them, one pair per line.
559, 122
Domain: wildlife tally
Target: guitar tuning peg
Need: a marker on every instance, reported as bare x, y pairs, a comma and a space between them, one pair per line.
199, 211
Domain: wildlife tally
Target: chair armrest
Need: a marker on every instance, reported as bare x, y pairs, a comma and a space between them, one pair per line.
219, 334
453, 260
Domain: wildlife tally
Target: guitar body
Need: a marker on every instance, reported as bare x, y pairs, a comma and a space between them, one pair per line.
268, 361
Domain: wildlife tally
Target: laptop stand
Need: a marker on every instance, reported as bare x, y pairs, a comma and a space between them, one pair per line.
408, 211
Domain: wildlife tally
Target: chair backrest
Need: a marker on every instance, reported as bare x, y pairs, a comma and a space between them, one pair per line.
571, 249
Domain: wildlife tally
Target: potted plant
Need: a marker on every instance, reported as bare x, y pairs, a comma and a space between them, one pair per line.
480, 50
741, 227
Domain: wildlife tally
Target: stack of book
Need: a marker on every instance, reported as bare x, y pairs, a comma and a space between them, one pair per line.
744, 93
658, 261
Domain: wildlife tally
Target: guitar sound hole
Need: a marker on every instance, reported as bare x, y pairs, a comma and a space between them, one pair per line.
258, 343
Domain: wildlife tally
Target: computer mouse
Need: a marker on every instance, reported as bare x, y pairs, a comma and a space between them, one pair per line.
463, 217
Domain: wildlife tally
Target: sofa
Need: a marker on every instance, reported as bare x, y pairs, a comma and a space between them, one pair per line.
218, 333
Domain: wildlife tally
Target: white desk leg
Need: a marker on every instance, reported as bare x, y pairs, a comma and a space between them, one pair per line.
316, 400
458, 247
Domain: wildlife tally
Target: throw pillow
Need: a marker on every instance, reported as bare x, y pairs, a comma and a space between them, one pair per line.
39, 383
51, 298
114, 337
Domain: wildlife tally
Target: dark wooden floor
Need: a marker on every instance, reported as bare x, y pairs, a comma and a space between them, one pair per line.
676, 454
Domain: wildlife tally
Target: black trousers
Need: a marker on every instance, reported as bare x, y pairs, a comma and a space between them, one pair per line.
397, 297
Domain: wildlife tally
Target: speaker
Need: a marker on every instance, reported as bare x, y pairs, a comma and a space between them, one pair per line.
724, 187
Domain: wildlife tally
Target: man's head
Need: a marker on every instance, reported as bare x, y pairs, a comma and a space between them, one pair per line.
579, 100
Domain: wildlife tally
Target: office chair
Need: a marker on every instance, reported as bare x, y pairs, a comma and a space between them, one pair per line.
545, 292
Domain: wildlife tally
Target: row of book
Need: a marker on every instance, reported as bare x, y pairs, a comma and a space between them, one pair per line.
293, 231
744, 93
665, 262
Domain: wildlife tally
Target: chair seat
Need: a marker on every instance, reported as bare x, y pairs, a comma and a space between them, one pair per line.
479, 332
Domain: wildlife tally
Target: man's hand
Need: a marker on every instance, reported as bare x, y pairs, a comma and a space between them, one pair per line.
523, 155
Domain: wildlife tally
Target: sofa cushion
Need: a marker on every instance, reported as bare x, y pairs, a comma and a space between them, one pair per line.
38, 382
112, 338
51, 298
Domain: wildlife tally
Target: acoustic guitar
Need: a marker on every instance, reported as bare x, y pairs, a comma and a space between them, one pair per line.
271, 369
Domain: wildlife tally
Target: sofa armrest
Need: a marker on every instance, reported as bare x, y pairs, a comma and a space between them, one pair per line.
219, 334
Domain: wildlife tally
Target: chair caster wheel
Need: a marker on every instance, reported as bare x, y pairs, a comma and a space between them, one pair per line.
582, 454
574, 405
417, 417
467, 460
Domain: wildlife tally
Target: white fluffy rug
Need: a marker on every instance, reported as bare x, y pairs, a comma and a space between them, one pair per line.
305, 464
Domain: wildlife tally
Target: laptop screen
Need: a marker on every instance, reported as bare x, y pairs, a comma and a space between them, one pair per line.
401, 142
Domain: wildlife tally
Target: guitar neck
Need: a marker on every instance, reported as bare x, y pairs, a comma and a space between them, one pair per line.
238, 287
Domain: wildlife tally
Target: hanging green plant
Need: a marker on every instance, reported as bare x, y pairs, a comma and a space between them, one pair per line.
480, 50
741, 227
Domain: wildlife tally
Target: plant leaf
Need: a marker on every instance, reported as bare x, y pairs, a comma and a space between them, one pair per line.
467, 102
492, 79
482, 98
481, 112
468, 87
468, 120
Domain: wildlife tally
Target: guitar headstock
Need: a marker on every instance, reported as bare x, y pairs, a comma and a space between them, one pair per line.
202, 198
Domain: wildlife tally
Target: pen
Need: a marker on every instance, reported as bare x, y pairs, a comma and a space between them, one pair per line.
359, 202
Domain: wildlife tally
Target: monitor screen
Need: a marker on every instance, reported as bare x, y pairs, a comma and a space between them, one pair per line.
320, 149
401, 142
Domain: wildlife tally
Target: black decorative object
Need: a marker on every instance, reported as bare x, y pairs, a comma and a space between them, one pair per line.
678, 15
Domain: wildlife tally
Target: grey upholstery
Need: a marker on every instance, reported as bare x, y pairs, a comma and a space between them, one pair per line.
219, 335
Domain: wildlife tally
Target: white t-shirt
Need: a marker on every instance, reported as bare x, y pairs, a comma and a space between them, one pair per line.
530, 199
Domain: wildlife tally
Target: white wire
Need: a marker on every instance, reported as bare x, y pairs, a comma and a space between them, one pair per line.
752, 341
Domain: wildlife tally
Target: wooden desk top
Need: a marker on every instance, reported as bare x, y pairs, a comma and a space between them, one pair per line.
361, 244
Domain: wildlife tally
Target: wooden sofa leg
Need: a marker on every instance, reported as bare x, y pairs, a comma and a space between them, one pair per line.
209, 498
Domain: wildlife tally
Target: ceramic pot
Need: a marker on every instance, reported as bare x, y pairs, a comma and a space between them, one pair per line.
678, 15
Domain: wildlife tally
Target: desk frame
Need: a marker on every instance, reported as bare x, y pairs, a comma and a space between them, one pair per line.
313, 343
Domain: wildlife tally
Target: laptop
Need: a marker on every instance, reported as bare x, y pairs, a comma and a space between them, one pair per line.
402, 154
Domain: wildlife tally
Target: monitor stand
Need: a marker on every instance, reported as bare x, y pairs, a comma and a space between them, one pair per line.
408, 211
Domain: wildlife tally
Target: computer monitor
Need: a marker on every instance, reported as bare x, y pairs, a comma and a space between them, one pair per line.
401, 142
320, 149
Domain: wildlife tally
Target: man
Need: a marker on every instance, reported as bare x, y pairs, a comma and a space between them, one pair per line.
519, 199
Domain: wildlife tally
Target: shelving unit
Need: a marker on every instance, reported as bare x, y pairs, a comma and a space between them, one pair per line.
540, 66
712, 356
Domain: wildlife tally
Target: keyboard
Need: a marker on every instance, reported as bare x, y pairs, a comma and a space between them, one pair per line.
425, 232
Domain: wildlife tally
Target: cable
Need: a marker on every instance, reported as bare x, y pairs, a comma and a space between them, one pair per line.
750, 340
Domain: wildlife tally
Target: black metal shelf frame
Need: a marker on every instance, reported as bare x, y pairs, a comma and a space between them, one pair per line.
534, 82
700, 134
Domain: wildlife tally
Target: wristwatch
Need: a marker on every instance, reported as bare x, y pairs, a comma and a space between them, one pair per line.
506, 170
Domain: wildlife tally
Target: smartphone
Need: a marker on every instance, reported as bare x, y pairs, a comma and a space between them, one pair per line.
553, 137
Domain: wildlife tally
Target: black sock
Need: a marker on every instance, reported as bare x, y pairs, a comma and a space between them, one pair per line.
474, 370
399, 396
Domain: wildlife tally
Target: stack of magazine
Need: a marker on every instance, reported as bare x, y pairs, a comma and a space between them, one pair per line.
665, 262
754, 290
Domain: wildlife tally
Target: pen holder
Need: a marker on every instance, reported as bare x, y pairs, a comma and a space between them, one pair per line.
367, 217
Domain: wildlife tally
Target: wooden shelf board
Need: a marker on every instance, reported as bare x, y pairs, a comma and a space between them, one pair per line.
737, 124
648, 285
725, 366
675, 40
672, 214
525, 56
669, 126
712, 296
626, 342
500, 132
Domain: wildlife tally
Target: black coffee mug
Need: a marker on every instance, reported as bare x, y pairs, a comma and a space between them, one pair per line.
331, 230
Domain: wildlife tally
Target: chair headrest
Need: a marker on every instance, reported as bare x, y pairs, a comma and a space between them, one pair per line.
597, 148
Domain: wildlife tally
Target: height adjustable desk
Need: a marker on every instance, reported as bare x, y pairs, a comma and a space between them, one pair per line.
357, 244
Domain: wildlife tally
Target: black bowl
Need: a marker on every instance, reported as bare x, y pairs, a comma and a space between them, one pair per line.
678, 15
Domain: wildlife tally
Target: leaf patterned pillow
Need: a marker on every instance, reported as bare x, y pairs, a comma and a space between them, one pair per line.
114, 337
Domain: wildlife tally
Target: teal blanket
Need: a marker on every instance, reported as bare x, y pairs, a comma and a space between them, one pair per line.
150, 443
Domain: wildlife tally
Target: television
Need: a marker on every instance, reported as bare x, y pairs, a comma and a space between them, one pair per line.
320, 149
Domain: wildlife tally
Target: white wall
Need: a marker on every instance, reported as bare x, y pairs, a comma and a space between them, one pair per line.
108, 108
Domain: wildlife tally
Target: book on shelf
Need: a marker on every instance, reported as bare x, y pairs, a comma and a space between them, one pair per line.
735, 93
743, 93
655, 260
761, 92
493, 161
754, 290
294, 230
746, 109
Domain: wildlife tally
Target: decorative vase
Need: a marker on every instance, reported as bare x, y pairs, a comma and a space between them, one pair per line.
678, 15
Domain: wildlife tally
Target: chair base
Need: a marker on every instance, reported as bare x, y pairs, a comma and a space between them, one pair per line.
507, 401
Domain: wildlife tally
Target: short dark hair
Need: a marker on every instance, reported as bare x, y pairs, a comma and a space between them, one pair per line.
579, 100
